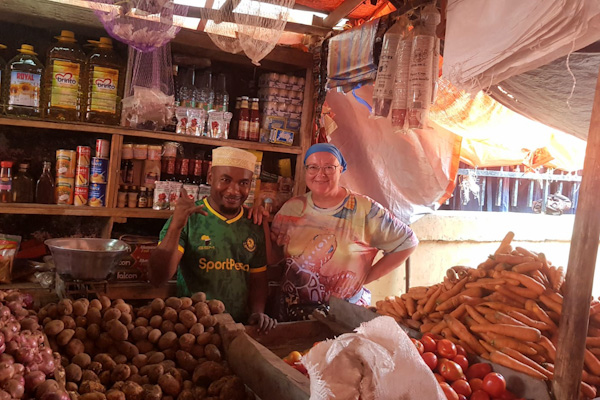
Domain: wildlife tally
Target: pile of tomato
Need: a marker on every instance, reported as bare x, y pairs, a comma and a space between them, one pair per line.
458, 379
294, 360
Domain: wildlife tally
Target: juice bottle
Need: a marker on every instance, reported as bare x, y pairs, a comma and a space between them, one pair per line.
254, 128
103, 85
244, 120
61, 95
23, 75
2, 66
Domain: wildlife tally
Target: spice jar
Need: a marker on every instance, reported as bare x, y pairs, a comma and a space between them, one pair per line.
143, 198
132, 197
122, 197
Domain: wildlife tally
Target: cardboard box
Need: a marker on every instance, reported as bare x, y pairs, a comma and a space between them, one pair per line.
134, 266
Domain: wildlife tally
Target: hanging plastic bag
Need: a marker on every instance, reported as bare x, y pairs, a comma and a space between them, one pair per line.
400, 92
9, 245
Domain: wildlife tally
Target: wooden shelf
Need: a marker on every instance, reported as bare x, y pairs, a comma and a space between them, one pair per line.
114, 130
85, 211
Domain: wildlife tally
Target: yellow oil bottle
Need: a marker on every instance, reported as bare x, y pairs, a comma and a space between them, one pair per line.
21, 91
61, 95
103, 86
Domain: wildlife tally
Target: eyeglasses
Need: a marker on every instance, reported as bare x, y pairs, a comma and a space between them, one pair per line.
313, 169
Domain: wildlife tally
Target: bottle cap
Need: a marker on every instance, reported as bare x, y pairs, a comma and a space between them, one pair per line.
6, 164
104, 42
27, 49
2, 47
66, 36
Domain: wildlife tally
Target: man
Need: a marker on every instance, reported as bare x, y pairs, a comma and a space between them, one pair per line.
218, 250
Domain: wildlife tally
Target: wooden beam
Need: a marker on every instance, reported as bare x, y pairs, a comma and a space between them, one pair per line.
580, 272
341, 12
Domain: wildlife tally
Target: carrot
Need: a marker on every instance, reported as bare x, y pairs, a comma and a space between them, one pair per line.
489, 348
401, 304
476, 273
542, 316
465, 346
472, 301
527, 267
552, 305
502, 298
526, 281
501, 267
540, 277
505, 246
523, 292
587, 390
485, 281
509, 293
500, 306
523, 333
503, 359
410, 305
398, 307
431, 302
590, 378
525, 360
592, 341
505, 319
595, 309
513, 260
411, 323
526, 252
463, 334
538, 358
459, 311
449, 304
591, 362
538, 348
593, 331
417, 316
427, 326
559, 279
545, 266
439, 327
554, 316
487, 264
542, 326
436, 315
447, 333
472, 292
500, 341
555, 297
595, 351
482, 309
458, 286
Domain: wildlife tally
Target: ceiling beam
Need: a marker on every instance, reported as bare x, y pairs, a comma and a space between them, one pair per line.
340, 13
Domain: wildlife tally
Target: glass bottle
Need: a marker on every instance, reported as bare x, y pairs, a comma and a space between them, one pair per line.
221, 95
104, 81
23, 185
143, 198
207, 94
6, 181
187, 91
2, 66
129, 176
184, 171
244, 120
132, 197
23, 75
44, 190
233, 129
197, 170
254, 129
61, 94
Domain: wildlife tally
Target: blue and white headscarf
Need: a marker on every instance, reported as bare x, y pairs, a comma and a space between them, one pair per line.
326, 148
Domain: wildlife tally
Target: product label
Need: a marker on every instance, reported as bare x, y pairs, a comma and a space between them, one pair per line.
24, 89
243, 129
254, 130
65, 84
104, 89
5, 185
420, 72
384, 83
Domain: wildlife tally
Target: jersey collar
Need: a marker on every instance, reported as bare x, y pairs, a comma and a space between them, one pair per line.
221, 217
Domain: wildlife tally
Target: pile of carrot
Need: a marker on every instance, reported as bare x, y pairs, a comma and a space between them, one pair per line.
506, 310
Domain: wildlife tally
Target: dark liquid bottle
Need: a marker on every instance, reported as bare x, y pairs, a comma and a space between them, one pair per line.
44, 191
23, 185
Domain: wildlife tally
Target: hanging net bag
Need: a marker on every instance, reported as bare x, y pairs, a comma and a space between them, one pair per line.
220, 26
145, 25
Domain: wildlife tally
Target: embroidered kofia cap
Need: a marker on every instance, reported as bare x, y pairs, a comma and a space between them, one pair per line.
232, 157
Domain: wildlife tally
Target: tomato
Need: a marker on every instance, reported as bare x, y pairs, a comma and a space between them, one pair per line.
479, 370
441, 360
438, 377
448, 391
462, 361
462, 387
476, 384
430, 359
429, 344
295, 356
479, 395
494, 384
446, 348
462, 397
507, 395
418, 345
461, 350
451, 370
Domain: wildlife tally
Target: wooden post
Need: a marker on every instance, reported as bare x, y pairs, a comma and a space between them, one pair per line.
580, 271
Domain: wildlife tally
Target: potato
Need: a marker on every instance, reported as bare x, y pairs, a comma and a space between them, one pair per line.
156, 357
168, 364
170, 384
80, 333
80, 307
156, 321
105, 301
128, 349
111, 313
202, 310
174, 302
124, 308
167, 326
152, 392
93, 315
74, 373
170, 353
89, 346
68, 321
154, 335
153, 372
104, 341
215, 339
89, 375
106, 360
82, 359
197, 351
208, 321
187, 318
65, 307
212, 352
180, 329
141, 321
93, 331
139, 333
185, 360
216, 306
54, 327
204, 338
233, 389
199, 297
145, 312
167, 340
81, 322
126, 319
157, 306
74, 347
170, 314
133, 391
65, 337
187, 341
120, 373
208, 372
71, 387
117, 330
140, 360
144, 346
186, 394
113, 394
196, 329
187, 385
120, 359
105, 378
95, 304
186, 302
91, 386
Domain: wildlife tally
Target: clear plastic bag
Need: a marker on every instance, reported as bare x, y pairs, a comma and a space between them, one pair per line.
9, 245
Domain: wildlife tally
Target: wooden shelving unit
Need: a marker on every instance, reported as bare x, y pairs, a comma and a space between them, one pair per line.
52, 209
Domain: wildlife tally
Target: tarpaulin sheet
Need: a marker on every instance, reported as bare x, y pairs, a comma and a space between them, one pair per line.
490, 41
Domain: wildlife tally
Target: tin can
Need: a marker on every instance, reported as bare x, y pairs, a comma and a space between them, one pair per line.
65, 163
83, 156
99, 170
97, 194
81, 196
82, 176
64, 190
102, 148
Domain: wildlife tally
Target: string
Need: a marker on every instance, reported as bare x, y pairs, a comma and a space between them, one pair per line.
572, 75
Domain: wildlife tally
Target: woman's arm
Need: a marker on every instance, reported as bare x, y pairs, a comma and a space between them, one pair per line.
387, 264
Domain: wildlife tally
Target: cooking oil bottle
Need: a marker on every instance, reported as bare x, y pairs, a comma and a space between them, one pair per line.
2, 66
61, 95
103, 86
23, 75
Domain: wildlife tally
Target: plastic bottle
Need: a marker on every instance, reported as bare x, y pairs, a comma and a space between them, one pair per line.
103, 85
244, 120
23, 185
254, 129
6, 182
431, 19
2, 66
44, 190
221, 95
383, 92
187, 91
61, 95
401, 76
23, 75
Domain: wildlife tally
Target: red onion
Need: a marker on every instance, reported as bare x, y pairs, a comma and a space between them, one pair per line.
15, 388
25, 355
59, 395
6, 358
1, 338
12, 347
47, 365
33, 380
6, 372
2, 348
4, 395
4, 312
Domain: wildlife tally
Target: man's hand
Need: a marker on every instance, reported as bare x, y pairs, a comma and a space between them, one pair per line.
258, 214
263, 322
184, 208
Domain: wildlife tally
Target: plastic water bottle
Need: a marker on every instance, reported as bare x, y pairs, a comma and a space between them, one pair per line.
383, 91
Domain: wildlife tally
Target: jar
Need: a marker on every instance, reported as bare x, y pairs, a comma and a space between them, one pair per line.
132, 197
154, 153
143, 198
170, 149
122, 197
140, 151
127, 151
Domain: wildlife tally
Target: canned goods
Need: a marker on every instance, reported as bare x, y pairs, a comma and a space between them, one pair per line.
81, 196
64, 190
154, 153
97, 194
83, 156
102, 148
140, 151
65, 163
82, 176
99, 170
127, 151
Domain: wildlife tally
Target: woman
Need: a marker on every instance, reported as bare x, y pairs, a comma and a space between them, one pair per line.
331, 235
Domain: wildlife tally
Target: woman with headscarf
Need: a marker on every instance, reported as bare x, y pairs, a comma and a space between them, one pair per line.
331, 235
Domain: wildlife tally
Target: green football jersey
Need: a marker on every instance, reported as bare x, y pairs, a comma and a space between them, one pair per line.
219, 254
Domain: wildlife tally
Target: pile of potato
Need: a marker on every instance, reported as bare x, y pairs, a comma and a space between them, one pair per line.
168, 349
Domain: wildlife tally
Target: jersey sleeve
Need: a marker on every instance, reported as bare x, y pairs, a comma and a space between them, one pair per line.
182, 236
387, 232
259, 261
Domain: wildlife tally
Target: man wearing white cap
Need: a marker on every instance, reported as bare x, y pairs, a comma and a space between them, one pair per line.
218, 250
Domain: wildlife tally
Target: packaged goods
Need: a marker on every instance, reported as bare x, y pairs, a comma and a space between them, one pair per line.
122, 197
81, 196
23, 185
140, 151
65, 163
9, 245
182, 120
151, 172
99, 170
384, 83
84, 154
161, 196
97, 196
22, 91
82, 176
196, 121
218, 124
102, 148
154, 153
64, 190
174, 193
127, 151
282, 136
192, 191
170, 149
